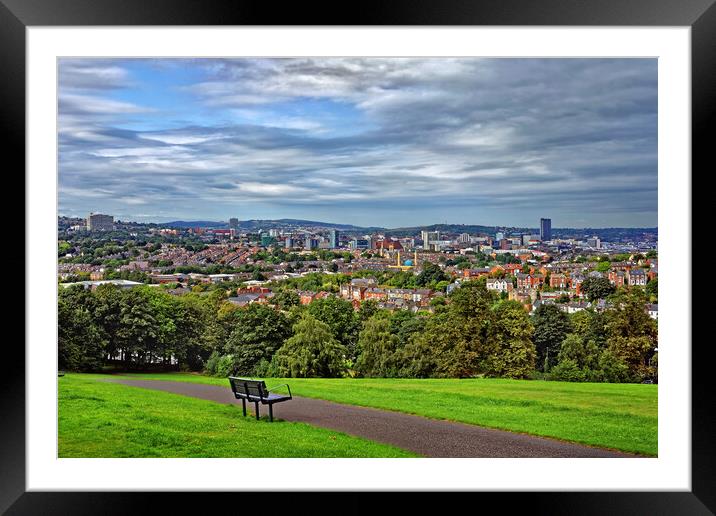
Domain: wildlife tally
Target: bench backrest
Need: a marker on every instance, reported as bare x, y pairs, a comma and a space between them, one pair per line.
248, 387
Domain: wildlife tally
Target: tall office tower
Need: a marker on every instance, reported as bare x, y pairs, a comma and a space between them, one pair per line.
429, 237
99, 222
234, 223
333, 237
310, 243
360, 243
594, 242
545, 229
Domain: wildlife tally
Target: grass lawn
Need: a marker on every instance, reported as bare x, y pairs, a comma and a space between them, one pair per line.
98, 419
619, 416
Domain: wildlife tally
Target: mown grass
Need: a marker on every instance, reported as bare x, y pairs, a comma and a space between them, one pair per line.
98, 419
618, 416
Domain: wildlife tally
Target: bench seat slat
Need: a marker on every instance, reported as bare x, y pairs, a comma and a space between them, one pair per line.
275, 397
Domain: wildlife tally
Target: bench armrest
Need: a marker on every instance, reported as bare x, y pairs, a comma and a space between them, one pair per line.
282, 385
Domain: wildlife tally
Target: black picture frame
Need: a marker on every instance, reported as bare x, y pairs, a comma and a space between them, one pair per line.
17, 15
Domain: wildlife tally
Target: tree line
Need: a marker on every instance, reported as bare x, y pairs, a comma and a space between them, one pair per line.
472, 333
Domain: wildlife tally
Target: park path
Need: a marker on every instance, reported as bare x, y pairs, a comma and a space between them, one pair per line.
427, 437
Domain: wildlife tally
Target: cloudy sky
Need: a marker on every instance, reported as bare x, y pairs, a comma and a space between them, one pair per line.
388, 142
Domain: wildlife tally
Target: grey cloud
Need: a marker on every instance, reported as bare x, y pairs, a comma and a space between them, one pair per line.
576, 135
92, 74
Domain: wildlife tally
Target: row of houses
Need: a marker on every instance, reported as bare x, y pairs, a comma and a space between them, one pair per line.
576, 306
179, 277
631, 277
363, 289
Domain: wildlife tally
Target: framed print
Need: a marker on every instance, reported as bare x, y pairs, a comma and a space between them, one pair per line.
362, 187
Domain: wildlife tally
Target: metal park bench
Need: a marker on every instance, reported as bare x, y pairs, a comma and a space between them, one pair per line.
255, 391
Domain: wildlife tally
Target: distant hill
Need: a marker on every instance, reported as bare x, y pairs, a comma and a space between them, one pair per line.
282, 223
608, 234
453, 228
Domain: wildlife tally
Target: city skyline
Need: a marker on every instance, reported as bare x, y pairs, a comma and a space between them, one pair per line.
227, 221
495, 142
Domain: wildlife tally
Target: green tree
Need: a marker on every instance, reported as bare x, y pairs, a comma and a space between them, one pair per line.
404, 324
138, 330
106, 309
597, 288
285, 299
377, 346
431, 275
258, 331
312, 351
457, 340
403, 279
200, 330
368, 309
583, 353
441, 285
612, 368
603, 266
166, 311
419, 357
340, 317
652, 290
632, 334
63, 248
567, 370
590, 326
81, 346
551, 327
438, 301
515, 353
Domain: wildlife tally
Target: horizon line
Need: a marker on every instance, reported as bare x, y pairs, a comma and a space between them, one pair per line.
371, 226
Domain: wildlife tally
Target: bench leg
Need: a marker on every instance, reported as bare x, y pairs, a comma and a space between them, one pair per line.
271, 412
243, 404
257, 409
